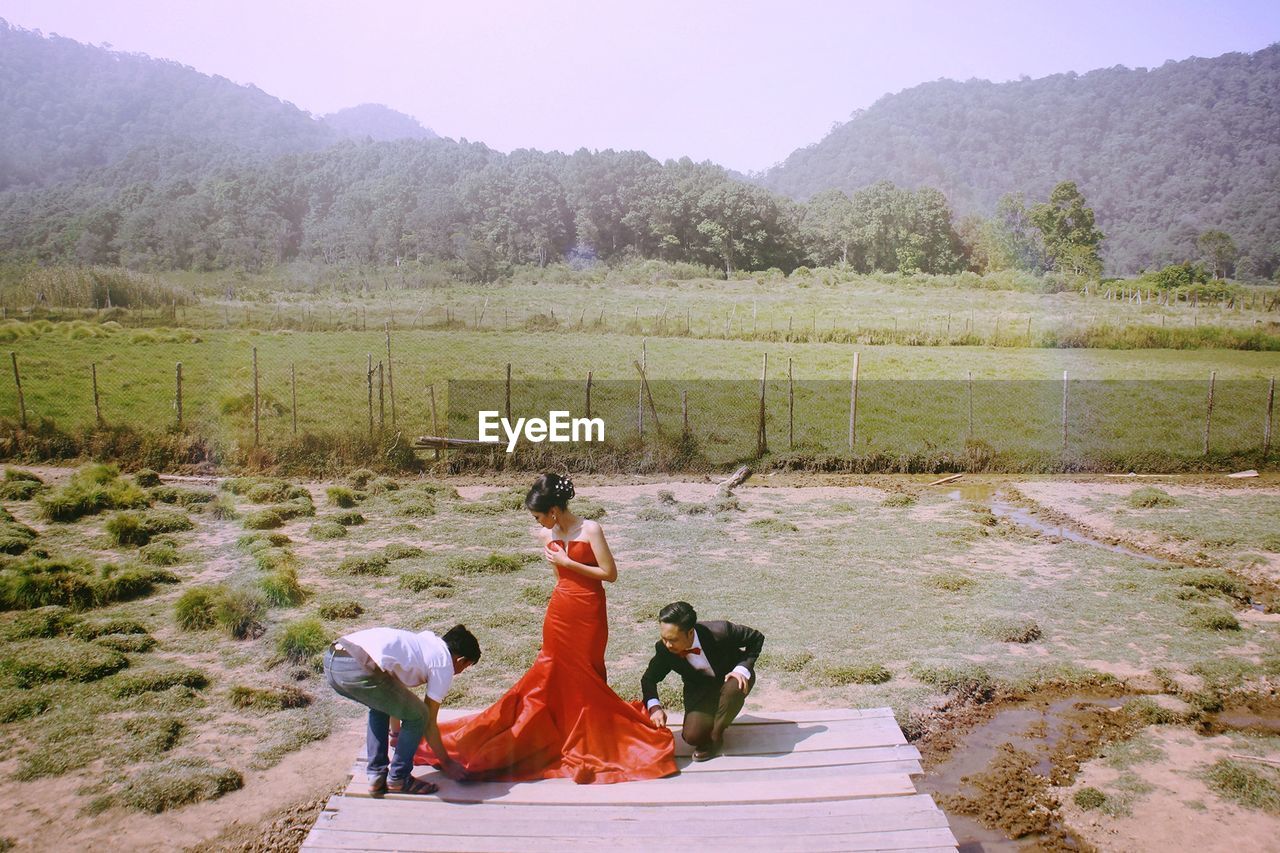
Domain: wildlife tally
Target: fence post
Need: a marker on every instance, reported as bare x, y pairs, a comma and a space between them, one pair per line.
17, 380
178, 397
644, 368
853, 404
684, 410
1064, 413
970, 436
255, 397
791, 408
391, 388
382, 407
762, 438
1266, 424
97, 409
508, 392
435, 429
1208, 417
368, 378
588, 395
293, 386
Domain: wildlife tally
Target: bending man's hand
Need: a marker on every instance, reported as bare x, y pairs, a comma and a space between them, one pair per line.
740, 678
658, 715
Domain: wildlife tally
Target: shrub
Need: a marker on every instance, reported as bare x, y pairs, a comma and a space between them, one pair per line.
40, 661
187, 498
1149, 496
359, 478
48, 621
340, 608
275, 559
15, 538
33, 582
133, 528
1090, 798
282, 589
951, 581
268, 698
264, 519
368, 564
327, 530
254, 542
146, 478
401, 551
223, 508
341, 496
238, 610
349, 519
494, 564
269, 491
382, 485
424, 582
19, 488
843, 674
195, 608
92, 629
158, 680
177, 782
303, 639
91, 490
1011, 630
130, 582
162, 553
133, 643
1215, 620
774, 525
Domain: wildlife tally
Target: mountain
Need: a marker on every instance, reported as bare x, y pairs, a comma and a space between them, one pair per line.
67, 107
1161, 154
376, 122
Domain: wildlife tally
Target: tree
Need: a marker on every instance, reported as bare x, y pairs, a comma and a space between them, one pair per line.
1218, 251
1066, 226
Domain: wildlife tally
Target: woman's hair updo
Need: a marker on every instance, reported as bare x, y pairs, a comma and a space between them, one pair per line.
547, 491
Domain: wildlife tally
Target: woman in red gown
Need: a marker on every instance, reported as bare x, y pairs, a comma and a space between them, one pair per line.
561, 719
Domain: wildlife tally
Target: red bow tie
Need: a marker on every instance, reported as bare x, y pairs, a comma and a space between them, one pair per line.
692, 650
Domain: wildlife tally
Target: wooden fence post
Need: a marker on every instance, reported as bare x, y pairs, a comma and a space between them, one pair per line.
368, 378
588, 394
1266, 424
435, 428
97, 408
178, 396
853, 403
1208, 417
644, 369
293, 387
1064, 412
382, 405
970, 435
762, 438
255, 397
17, 380
791, 408
391, 388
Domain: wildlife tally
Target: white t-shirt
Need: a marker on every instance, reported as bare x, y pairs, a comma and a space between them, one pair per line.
415, 659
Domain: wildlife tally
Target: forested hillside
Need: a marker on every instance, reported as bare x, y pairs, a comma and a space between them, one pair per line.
1162, 154
377, 122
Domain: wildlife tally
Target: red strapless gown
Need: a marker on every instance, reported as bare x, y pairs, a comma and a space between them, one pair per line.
561, 719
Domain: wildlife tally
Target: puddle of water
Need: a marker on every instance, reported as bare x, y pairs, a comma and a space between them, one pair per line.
977, 492
1024, 517
1247, 721
1036, 730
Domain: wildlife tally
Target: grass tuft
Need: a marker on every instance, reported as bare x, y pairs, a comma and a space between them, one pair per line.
177, 782
349, 519
341, 496
340, 608
238, 611
494, 564
268, 698
41, 661
303, 639
840, 675
1011, 629
327, 530
951, 582
195, 608
1148, 497
401, 551
439, 585
362, 564
1090, 798
158, 680
1254, 787
773, 525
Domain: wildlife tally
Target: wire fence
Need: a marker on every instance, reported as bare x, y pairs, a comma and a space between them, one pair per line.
238, 401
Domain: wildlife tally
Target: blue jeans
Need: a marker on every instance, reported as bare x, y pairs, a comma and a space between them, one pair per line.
385, 696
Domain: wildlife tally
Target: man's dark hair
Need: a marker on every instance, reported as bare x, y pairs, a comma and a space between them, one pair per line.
679, 613
462, 643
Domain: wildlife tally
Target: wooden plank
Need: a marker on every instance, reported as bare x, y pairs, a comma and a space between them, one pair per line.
427, 808
676, 718
370, 815
659, 791
909, 839
817, 758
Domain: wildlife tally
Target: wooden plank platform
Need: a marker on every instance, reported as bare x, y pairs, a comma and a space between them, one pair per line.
827, 780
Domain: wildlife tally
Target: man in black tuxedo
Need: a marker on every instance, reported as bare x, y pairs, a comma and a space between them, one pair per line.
717, 661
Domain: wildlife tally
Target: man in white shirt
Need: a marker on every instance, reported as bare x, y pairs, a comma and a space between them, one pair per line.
377, 667
717, 661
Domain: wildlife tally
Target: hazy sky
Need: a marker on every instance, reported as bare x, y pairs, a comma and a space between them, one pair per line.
742, 83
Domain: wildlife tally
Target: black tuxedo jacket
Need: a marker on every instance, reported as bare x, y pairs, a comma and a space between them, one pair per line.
725, 645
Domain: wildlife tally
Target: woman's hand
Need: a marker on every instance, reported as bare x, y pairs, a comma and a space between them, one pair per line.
555, 554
